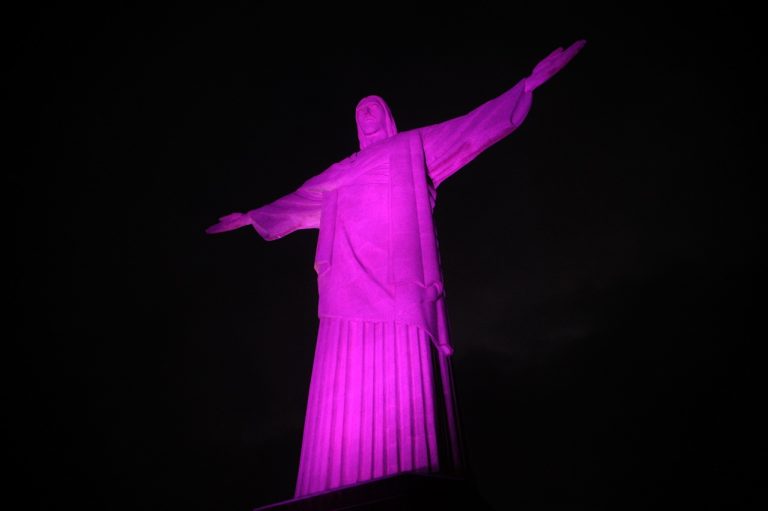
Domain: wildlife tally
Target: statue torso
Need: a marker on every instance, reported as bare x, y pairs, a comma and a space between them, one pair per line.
361, 241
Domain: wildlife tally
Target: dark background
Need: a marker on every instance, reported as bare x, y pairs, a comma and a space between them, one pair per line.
598, 261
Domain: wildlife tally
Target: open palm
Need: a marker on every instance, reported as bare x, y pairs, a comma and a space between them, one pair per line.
229, 223
553, 63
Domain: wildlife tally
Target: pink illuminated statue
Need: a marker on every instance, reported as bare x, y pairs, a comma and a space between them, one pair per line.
380, 396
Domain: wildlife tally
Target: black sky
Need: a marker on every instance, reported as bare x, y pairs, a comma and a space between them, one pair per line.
599, 262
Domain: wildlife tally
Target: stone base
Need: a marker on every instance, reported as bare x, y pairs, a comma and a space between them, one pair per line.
409, 492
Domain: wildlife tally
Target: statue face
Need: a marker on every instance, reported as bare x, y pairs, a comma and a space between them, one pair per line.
370, 117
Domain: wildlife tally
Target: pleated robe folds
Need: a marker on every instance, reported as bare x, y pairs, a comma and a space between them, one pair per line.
376, 385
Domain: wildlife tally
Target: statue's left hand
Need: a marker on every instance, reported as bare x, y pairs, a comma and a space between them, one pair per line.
554, 62
229, 223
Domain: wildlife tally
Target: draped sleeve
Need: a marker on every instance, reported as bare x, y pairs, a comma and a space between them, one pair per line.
303, 208
297, 210
450, 145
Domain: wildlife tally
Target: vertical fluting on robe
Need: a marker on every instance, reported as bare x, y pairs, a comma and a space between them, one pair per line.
372, 405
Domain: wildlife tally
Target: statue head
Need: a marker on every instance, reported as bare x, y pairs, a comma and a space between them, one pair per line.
374, 121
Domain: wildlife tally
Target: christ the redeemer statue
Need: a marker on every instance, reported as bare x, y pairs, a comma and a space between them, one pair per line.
375, 395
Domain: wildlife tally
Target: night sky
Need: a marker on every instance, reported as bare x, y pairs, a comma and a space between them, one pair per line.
599, 262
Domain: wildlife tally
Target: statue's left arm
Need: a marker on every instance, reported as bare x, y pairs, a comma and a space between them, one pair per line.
452, 144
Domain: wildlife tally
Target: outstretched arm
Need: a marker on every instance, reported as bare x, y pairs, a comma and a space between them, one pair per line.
297, 210
452, 144
554, 62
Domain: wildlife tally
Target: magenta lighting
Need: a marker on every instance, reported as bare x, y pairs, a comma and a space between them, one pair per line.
380, 398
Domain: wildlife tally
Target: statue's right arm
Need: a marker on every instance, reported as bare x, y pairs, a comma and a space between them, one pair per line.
229, 223
297, 210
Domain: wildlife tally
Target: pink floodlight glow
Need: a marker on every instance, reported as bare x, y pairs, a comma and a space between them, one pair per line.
381, 362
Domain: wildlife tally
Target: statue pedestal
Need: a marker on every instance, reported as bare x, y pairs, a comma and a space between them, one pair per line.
409, 492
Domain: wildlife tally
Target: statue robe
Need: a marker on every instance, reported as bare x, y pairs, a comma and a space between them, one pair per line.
373, 393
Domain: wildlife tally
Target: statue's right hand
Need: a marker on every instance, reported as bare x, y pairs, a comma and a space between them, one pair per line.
229, 223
